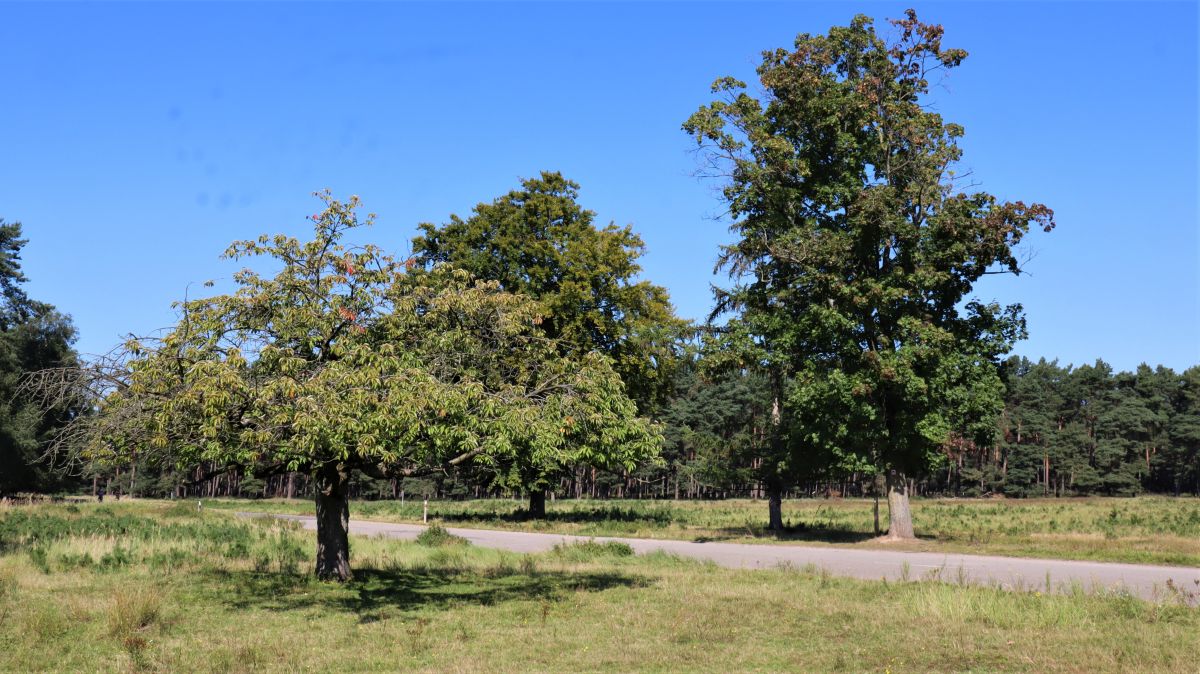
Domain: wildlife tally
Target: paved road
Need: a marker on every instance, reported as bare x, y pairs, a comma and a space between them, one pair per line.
1144, 581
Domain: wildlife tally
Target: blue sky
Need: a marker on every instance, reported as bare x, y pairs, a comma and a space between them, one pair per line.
137, 140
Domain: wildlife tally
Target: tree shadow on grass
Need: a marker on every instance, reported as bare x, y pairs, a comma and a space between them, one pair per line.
800, 533
649, 517
376, 594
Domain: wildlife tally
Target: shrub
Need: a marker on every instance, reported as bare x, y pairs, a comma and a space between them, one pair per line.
435, 535
586, 551
169, 559
288, 554
115, 559
37, 555
239, 549
68, 561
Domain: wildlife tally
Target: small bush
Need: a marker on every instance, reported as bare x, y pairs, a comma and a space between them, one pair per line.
40, 559
68, 561
586, 551
117, 558
436, 536
169, 559
238, 549
288, 554
278, 550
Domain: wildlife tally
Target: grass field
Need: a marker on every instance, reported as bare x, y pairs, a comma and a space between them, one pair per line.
1150, 530
159, 587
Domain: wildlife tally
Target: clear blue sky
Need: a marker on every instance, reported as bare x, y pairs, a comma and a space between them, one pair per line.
137, 140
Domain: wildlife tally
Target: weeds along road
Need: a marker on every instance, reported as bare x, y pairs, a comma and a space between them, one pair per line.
1014, 573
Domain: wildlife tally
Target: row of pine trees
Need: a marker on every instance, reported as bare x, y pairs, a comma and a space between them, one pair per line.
1064, 431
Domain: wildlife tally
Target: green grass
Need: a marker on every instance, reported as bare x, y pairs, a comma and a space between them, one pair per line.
1148, 530
208, 592
436, 536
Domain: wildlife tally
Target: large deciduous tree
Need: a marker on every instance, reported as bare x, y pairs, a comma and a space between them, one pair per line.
341, 360
857, 249
538, 241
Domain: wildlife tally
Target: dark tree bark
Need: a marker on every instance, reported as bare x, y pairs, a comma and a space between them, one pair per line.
775, 506
537, 504
900, 517
333, 522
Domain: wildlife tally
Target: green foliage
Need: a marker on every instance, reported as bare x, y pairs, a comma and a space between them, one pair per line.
1083, 430
115, 559
21, 529
715, 427
34, 336
82, 560
538, 241
591, 550
435, 535
855, 251
39, 558
344, 360
341, 357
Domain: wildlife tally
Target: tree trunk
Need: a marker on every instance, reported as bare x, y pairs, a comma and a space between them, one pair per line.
775, 507
878, 484
537, 504
899, 516
333, 522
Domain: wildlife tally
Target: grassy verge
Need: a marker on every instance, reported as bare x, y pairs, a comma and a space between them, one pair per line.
167, 589
1147, 530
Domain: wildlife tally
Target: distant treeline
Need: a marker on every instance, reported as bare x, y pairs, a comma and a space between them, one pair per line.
1064, 431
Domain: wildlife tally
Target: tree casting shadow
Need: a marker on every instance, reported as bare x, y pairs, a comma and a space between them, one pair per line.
799, 533
375, 594
605, 514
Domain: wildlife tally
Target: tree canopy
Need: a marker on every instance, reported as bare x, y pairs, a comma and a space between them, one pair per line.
857, 249
34, 336
539, 242
341, 360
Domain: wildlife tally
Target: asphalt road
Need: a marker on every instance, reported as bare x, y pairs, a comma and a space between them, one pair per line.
1017, 573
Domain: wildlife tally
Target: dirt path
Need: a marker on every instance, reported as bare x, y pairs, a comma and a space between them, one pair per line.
1148, 582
